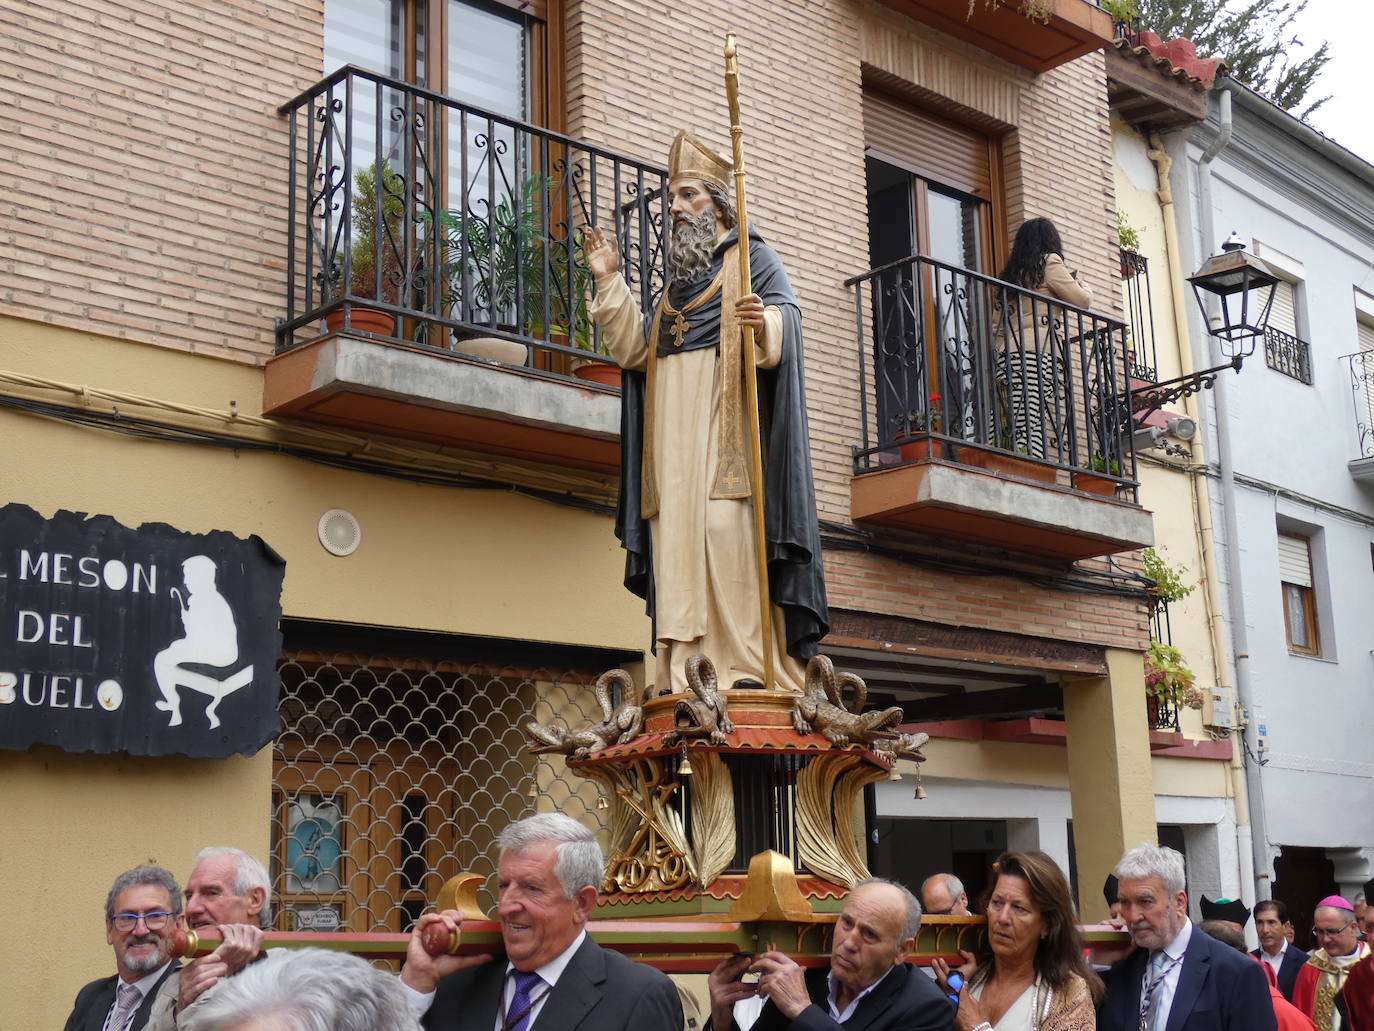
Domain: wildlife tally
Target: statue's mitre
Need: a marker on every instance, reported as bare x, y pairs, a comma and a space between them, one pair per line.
689, 158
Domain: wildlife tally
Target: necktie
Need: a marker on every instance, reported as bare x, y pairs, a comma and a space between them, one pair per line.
518, 1015
126, 1003
1150, 1008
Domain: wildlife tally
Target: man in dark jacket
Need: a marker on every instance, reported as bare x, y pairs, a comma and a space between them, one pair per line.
553, 977
141, 912
867, 986
1271, 917
1176, 978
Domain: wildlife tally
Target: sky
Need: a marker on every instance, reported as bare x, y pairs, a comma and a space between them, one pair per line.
1348, 25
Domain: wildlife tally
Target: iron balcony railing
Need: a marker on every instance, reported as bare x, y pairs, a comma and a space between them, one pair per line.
1362, 394
1141, 354
454, 221
974, 366
1285, 353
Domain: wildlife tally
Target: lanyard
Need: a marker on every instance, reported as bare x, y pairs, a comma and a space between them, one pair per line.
511, 1020
1147, 996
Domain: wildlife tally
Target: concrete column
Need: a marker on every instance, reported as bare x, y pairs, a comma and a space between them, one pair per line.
1111, 786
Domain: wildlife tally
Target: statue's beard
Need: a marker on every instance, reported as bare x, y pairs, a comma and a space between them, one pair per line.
691, 244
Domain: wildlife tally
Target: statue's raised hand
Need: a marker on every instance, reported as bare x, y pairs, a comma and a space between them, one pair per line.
603, 257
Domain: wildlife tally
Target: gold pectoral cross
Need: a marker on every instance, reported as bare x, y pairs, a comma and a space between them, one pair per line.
678, 329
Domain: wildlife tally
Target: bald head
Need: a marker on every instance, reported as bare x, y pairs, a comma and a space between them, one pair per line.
942, 894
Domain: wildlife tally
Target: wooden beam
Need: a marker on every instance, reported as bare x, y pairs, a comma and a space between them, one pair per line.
1027, 700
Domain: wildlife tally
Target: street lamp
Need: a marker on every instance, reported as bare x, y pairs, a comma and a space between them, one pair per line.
1243, 288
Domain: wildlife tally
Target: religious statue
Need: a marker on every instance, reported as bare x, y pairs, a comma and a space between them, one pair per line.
687, 507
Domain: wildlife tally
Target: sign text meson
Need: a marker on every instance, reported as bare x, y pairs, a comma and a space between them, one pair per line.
111, 638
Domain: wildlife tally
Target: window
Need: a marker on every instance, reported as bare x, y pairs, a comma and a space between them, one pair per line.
1299, 604
931, 184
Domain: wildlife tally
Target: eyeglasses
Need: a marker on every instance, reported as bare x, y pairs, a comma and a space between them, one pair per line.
1322, 932
128, 921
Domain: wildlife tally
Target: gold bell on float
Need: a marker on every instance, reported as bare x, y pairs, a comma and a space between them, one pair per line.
601, 802
920, 792
684, 766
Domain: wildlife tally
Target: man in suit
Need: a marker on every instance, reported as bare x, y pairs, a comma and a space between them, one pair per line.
554, 978
1270, 917
867, 987
141, 912
1176, 978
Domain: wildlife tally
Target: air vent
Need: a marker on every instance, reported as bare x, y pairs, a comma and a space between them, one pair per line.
340, 532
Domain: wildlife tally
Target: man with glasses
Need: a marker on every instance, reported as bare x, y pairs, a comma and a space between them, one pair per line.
1338, 950
141, 912
942, 894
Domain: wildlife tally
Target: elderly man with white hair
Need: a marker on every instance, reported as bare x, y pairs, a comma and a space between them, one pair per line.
306, 990
547, 879
1176, 977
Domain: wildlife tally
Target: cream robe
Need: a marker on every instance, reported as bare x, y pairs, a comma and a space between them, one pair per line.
705, 570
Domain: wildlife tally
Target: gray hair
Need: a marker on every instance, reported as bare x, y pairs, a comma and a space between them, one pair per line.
248, 874
723, 204
580, 863
911, 921
1146, 860
1224, 932
154, 875
306, 990
949, 882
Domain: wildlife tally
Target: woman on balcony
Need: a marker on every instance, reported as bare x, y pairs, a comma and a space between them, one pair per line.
1030, 337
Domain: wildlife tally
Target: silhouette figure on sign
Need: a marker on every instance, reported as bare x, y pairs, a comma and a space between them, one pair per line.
211, 639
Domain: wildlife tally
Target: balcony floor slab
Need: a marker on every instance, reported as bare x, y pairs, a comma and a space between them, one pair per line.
972, 504
458, 401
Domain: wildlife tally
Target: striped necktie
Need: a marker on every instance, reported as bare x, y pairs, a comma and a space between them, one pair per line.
126, 1002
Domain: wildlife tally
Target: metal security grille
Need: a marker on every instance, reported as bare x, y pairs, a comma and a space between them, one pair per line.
392, 774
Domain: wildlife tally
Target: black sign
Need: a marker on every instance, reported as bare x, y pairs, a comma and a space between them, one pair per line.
148, 641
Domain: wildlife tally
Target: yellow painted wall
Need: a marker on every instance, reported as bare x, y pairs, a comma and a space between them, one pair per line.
433, 558
1168, 493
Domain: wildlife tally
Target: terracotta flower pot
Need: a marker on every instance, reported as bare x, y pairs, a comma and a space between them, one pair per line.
1094, 484
1011, 465
918, 445
605, 373
365, 320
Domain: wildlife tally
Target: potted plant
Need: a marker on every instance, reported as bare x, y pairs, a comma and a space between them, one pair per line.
498, 266
1169, 584
1128, 238
1168, 680
367, 249
1099, 484
915, 426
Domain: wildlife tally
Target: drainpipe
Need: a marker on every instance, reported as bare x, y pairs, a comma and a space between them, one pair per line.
1200, 496
1258, 843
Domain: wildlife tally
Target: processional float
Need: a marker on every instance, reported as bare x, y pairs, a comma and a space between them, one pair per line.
710, 792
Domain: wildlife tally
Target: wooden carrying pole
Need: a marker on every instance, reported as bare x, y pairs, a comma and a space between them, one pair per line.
751, 383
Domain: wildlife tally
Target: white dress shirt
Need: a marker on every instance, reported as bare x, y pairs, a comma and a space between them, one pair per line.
841, 1016
549, 973
1164, 994
1276, 960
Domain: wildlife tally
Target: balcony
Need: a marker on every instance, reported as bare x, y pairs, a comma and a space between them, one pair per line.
1285, 353
434, 287
992, 415
1013, 30
1362, 394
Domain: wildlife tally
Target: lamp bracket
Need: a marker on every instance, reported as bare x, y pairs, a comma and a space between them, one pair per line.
1146, 400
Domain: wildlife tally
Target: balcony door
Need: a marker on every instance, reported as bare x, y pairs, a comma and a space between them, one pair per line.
931, 185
